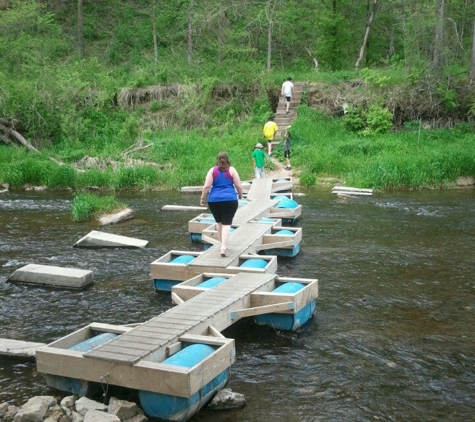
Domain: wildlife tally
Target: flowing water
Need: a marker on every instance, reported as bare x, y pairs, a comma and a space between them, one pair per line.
392, 338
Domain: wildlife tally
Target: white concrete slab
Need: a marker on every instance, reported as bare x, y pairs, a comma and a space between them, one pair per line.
118, 217
18, 348
47, 275
98, 239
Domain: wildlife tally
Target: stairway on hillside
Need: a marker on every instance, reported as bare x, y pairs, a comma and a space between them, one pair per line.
282, 119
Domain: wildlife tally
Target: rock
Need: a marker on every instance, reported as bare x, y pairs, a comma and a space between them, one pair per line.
93, 415
76, 417
83, 405
465, 181
68, 401
122, 409
9, 413
57, 413
47, 409
34, 410
139, 417
227, 399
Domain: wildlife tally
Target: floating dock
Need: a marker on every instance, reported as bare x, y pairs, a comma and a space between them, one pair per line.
179, 359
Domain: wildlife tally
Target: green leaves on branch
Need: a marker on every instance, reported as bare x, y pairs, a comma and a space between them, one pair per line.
375, 120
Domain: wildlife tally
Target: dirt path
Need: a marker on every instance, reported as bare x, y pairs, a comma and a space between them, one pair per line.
279, 171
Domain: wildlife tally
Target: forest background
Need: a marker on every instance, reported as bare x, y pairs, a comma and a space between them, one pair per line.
144, 93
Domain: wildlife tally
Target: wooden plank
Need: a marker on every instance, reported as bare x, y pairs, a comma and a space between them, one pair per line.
260, 189
183, 208
18, 348
279, 307
253, 210
145, 375
350, 189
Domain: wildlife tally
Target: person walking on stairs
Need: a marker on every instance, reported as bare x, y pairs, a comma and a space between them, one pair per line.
222, 188
287, 91
287, 148
270, 128
258, 161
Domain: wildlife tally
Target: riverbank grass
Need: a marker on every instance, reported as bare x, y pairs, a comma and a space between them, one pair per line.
410, 158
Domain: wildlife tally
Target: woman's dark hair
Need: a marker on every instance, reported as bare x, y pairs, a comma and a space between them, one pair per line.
222, 161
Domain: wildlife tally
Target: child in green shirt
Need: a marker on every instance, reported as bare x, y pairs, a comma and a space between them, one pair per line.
258, 161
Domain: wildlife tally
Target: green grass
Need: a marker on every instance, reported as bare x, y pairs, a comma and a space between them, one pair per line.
407, 159
87, 206
322, 147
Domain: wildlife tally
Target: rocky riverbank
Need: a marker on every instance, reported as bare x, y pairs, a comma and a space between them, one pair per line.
72, 409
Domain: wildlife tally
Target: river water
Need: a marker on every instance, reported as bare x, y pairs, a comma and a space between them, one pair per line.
392, 338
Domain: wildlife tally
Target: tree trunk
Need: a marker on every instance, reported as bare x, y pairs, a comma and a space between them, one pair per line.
366, 35
154, 34
439, 38
472, 62
270, 12
189, 34
80, 30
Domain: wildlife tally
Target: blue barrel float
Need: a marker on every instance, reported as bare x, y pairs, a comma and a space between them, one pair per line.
283, 251
287, 322
165, 285
74, 385
254, 263
197, 237
287, 203
211, 282
174, 408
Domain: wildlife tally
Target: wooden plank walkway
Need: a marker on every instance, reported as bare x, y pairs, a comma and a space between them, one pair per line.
254, 209
241, 241
260, 189
191, 317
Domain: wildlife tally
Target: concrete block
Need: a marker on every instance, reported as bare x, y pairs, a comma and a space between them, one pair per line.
46, 275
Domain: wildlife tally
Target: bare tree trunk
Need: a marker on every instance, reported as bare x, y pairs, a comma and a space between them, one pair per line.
80, 30
8, 134
189, 35
315, 61
439, 37
391, 43
471, 78
154, 34
270, 12
366, 35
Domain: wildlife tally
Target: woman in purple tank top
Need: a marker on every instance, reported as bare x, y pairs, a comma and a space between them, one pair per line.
222, 189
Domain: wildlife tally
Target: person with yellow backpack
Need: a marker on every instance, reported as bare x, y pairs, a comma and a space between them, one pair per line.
269, 130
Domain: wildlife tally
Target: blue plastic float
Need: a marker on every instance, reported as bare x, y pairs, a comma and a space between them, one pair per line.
287, 252
196, 237
287, 322
165, 285
254, 263
174, 408
211, 282
74, 385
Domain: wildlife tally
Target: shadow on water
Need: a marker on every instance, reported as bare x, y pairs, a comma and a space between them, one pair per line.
392, 338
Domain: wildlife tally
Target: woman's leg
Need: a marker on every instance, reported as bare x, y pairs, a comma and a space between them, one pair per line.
225, 231
219, 230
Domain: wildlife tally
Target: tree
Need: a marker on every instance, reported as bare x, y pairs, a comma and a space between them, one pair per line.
80, 30
472, 62
439, 37
369, 22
